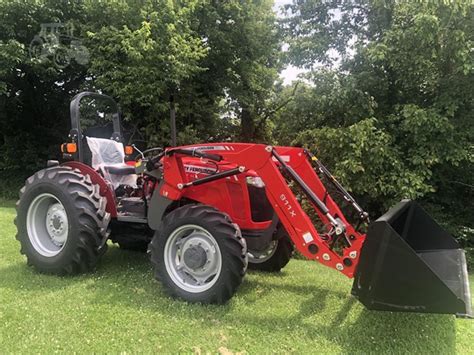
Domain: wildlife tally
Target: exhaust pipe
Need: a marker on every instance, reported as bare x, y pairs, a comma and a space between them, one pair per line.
409, 263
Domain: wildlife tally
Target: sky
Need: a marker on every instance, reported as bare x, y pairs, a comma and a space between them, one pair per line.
291, 72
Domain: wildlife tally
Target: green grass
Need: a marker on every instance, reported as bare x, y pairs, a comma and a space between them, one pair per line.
120, 308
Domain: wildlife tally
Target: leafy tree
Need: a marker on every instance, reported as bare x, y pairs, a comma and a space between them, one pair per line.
243, 60
396, 119
218, 59
143, 64
211, 56
33, 94
332, 99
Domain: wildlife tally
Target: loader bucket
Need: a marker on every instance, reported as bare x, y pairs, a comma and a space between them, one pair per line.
408, 263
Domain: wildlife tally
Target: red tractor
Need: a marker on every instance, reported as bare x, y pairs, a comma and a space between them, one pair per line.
205, 212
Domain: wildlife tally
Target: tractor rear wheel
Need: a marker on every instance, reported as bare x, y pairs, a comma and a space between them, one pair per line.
199, 255
275, 256
60, 220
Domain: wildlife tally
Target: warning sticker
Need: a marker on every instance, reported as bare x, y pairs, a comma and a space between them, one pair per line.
307, 237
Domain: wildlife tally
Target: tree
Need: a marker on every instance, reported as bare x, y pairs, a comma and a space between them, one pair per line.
145, 62
398, 111
33, 94
203, 54
212, 57
243, 60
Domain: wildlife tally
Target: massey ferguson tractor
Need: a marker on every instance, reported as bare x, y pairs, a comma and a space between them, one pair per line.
206, 212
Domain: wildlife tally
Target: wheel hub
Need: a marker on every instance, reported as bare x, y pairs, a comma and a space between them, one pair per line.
56, 223
195, 257
258, 257
192, 258
47, 224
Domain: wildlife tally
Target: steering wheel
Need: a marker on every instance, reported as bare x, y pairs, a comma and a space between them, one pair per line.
152, 162
142, 155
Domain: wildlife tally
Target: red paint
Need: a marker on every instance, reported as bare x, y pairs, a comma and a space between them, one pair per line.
258, 161
222, 194
105, 189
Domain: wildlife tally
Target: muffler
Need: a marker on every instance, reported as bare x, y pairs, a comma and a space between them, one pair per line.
408, 263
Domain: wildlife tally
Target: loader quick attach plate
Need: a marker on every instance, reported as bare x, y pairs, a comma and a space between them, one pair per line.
409, 263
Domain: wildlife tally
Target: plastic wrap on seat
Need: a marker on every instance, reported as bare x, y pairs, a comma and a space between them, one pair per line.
108, 153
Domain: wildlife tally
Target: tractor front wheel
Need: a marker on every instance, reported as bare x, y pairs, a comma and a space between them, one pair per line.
199, 255
60, 220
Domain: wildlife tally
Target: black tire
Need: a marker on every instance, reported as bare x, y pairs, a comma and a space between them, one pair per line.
281, 256
230, 242
86, 217
131, 236
133, 245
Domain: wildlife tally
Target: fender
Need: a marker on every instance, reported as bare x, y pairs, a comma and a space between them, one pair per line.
105, 189
157, 208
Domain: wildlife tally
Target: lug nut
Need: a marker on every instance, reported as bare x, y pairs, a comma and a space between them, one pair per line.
353, 254
326, 256
339, 266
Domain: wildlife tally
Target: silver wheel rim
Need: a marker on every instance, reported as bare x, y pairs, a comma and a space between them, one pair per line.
192, 278
47, 225
257, 257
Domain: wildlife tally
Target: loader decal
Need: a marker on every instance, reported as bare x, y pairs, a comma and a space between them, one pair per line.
287, 204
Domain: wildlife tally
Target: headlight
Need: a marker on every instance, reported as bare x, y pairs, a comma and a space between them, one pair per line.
255, 181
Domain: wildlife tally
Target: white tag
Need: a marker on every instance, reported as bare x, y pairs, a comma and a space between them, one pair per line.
285, 158
307, 237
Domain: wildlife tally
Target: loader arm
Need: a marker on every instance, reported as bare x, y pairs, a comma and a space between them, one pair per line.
269, 162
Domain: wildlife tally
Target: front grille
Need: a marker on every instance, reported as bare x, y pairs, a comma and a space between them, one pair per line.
260, 206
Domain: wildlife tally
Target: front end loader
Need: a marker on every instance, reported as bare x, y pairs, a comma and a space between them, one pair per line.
207, 212
405, 262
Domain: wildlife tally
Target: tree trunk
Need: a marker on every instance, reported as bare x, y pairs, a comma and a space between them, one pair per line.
247, 126
173, 121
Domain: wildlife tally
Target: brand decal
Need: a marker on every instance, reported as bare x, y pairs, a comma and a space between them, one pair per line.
198, 169
212, 147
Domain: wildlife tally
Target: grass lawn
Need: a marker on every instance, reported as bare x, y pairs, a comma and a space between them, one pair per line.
120, 308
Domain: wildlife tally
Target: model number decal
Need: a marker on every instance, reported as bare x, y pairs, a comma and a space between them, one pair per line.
288, 205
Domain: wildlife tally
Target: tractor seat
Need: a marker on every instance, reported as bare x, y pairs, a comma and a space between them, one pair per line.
108, 156
121, 170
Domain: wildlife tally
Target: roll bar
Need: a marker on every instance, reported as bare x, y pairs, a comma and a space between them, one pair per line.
76, 132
